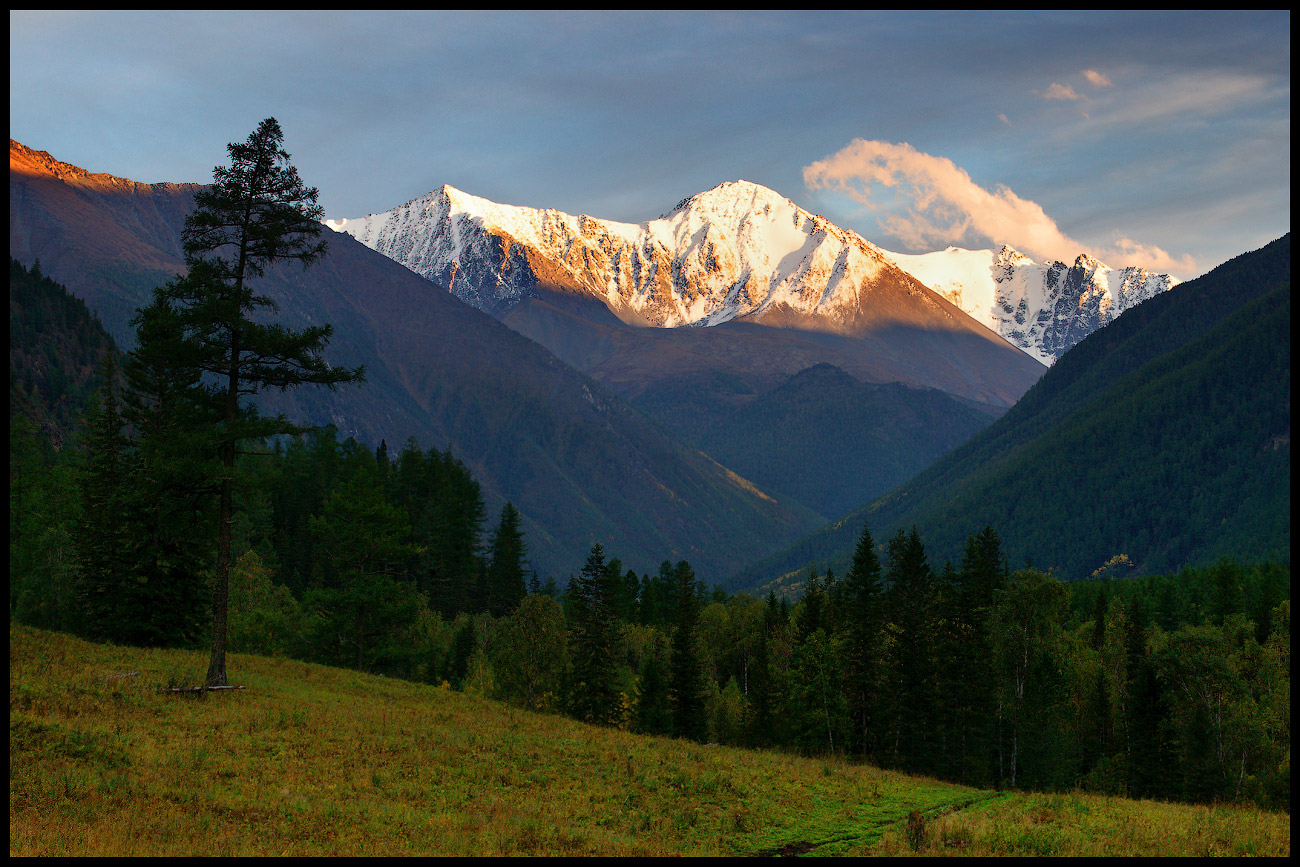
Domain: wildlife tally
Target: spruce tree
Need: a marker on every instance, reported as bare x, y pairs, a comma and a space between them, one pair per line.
654, 714
177, 462
105, 572
508, 565
913, 596
365, 544
686, 693
451, 526
970, 685
257, 213
593, 639
812, 609
864, 617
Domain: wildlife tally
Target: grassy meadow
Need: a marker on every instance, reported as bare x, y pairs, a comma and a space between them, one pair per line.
309, 760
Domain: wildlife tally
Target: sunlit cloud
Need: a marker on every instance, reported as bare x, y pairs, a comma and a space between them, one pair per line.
1003, 118
935, 204
1061, 91
1129, 252
1097, 79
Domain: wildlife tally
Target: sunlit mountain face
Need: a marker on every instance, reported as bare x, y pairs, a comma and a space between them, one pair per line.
738, 255
1043, 307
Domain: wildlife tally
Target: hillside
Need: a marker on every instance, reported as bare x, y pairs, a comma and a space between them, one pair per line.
578, 462
823, 437
1164, 436
56, 347
307, 760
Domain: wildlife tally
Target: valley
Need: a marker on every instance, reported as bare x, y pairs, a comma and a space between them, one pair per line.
649, 433
702, 445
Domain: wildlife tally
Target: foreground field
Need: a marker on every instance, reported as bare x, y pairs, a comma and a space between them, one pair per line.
308, 760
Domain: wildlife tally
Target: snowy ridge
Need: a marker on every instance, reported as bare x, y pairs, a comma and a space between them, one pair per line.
738, 249
1042, 307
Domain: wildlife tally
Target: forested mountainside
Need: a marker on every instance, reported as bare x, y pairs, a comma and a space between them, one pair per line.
1164, 436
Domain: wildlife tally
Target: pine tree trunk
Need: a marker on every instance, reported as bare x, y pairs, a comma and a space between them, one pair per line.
221, 589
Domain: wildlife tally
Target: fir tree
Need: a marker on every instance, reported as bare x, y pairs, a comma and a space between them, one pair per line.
654, 714
970, 685
365, 544
177, 471
913, 595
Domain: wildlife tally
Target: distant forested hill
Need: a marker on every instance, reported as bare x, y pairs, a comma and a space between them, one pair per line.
1164, 436
56, 347
823, 438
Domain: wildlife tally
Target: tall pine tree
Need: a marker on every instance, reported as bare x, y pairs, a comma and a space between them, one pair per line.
257, 213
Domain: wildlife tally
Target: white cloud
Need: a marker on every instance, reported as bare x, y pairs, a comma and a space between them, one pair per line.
1097, 79
941, 205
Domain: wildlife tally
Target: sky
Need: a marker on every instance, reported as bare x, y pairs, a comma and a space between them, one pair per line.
1154, 139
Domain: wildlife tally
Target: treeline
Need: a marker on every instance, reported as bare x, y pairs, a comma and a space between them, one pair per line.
1171, 687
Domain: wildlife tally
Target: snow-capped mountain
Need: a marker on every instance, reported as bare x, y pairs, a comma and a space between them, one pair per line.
738, 250
1042, 307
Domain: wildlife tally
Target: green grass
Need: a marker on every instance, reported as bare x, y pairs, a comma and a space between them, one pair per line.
308, 760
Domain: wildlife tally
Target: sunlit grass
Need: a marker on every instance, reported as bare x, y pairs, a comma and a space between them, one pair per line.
308, 760
1083, 825
312, 760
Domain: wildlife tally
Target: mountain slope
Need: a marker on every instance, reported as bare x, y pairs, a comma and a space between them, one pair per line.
1043, 307
579, 464
56, 349
822, 438
1164, 436
739, 253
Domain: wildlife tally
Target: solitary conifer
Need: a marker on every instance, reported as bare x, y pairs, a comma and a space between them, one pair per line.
257, 213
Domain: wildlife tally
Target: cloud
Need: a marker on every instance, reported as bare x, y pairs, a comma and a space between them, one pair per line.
941, 205
1097, 79
1003, 118
1061, 91
1128, 252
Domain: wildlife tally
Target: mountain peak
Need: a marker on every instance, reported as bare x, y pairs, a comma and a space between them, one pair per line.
732, 197
1009, 255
